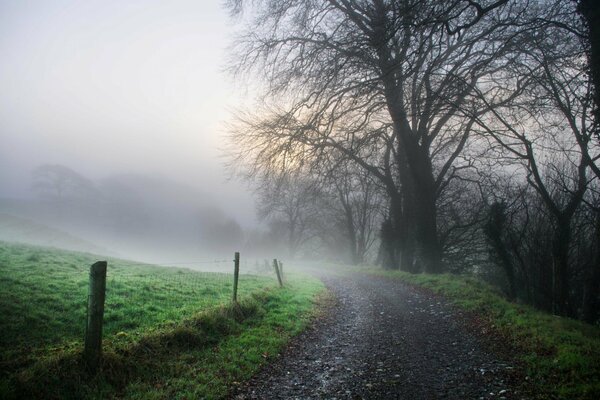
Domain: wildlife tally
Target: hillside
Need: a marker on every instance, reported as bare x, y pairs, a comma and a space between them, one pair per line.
23, 230
155, 317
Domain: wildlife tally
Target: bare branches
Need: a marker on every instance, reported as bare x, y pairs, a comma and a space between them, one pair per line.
419, 96
472, 8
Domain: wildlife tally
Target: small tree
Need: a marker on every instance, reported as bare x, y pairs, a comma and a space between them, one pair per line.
290, 201
59, 183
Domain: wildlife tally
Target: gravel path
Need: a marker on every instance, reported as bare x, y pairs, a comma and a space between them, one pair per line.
382, 340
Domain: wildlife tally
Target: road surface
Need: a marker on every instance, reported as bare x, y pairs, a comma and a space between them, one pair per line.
383, 339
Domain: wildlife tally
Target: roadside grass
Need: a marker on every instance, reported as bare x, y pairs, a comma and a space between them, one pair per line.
43, 296
560, 355
169, 332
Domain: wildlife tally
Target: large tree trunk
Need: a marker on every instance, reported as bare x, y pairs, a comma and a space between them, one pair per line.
405, 208
416, 150
430, 251
352, 240
387, 248
418, 184
350, 228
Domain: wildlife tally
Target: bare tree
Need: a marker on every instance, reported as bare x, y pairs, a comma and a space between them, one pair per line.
291, 203
395, 76
548, 130
60, 183
356, 202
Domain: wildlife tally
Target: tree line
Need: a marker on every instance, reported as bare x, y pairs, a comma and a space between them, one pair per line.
130, 210
466, 130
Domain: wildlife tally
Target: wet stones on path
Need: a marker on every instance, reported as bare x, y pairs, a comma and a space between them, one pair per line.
381, 339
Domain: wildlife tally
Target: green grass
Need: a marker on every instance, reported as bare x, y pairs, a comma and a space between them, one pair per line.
169, 333
560, 355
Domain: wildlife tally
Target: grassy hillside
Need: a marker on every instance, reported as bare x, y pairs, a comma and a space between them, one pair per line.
560, 356
161, 327
22, 230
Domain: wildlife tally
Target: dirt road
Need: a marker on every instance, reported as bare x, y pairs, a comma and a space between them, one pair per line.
383, 340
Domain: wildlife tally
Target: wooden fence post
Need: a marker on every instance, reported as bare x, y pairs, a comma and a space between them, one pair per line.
93, 331
276, 266
236, 275
281, 271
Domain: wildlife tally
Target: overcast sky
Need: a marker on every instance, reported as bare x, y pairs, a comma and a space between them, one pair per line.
117, 86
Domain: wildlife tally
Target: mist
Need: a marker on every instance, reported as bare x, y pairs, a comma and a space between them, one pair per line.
131, 98
300, 199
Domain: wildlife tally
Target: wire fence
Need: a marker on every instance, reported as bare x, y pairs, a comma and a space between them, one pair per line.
137, 296
144, 298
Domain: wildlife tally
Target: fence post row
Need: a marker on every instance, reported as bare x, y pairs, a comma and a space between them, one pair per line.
276, 266
93, 332
95, 310
236, 275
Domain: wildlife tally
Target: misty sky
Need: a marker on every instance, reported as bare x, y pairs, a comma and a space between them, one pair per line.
109, 86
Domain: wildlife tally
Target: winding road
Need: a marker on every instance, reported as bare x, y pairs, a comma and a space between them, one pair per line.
382, 339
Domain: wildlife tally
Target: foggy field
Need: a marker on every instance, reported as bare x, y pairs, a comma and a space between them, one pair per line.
43, 297
407, 190
44, 294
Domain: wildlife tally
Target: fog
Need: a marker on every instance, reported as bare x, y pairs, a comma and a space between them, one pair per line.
132, 97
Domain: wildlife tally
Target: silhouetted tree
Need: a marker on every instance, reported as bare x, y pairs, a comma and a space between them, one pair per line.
60, 183
290, 201
495, 229
356, 75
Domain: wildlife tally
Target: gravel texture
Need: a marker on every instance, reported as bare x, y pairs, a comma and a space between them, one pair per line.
382, 339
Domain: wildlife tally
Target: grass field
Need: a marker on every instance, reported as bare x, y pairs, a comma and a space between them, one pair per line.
161, 327
561, 356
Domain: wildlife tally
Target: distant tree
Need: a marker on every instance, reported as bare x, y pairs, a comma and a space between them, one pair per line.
60, 183
352, 206
360, 210
290, 202
462, 211
495, 231
386, 256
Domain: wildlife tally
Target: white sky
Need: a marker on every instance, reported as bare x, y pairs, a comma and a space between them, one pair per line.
116, 86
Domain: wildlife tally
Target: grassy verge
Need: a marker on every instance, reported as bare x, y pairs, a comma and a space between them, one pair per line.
560, 355
157, 347
43, 296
